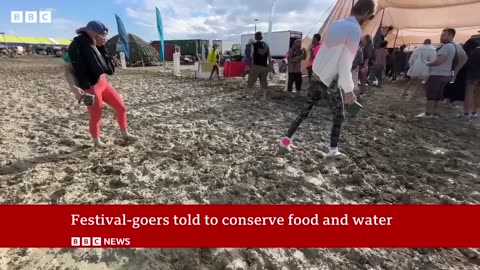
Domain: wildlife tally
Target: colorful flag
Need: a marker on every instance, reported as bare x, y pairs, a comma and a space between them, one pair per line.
160, 33
123, 36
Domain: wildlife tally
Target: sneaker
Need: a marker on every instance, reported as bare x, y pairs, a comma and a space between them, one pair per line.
100, 145
463, 115
423, 115
435, 116
335, 153
130, 138
286, 144
474, 115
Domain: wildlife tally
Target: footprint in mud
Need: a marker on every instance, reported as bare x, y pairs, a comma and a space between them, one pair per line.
469, 253
57, 195
121, 142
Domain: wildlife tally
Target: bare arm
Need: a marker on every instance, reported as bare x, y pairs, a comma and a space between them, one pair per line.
72, 82
68, 70
462, 59
440, 60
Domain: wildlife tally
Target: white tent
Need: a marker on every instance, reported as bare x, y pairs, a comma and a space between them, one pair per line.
414, 21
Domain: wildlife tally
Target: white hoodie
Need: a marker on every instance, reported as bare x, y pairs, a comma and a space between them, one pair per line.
419, 59
335, 57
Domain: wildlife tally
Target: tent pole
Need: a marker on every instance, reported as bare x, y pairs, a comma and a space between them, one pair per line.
395, 42
381, 20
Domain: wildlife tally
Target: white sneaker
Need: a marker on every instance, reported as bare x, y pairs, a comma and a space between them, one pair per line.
335, 153
286, 144
463, 115
423, 115
474, 116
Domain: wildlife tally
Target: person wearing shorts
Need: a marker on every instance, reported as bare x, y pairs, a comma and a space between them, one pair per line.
440, 74
472, 93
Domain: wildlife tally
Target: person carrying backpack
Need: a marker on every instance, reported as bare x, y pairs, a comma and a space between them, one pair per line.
262, 63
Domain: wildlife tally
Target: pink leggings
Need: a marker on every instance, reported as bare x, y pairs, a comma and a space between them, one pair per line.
105, 92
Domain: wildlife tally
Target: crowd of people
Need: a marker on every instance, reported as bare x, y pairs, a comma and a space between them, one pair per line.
341, 68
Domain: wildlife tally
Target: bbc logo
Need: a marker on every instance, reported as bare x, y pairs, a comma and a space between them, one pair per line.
31, 17
86, 241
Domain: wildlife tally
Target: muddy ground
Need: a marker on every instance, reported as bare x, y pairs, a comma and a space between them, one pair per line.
214, 142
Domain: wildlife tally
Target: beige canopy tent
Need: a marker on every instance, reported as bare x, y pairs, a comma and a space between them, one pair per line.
414, 21
416, 36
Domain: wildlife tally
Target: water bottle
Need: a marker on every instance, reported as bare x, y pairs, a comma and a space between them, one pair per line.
453, 77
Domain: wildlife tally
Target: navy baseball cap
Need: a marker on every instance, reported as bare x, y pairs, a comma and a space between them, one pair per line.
95, 26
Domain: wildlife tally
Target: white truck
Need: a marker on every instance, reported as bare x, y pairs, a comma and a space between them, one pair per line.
280, 43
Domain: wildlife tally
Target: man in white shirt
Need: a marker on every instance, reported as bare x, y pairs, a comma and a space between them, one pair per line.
332, 72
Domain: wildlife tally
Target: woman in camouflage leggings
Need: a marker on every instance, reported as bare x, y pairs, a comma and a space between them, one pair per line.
333, 95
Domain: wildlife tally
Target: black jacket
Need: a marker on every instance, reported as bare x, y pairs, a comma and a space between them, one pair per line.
87, 63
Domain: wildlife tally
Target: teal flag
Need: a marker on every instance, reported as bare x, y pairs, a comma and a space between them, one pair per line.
160, 33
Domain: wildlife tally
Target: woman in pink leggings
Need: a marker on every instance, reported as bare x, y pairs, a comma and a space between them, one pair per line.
87, 66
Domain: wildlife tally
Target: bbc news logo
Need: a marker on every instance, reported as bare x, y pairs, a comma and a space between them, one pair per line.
31, 16
98, 241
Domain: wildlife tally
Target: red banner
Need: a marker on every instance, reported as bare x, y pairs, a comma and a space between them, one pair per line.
261, 226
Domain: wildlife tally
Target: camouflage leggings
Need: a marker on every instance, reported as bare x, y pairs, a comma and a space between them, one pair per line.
333, 96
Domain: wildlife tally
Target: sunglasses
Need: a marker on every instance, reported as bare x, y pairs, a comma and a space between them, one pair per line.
103, 36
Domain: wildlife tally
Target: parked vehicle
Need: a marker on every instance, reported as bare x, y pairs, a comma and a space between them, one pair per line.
229, 51
191, 48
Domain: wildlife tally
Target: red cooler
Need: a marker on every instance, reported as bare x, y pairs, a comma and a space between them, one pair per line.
233, 69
